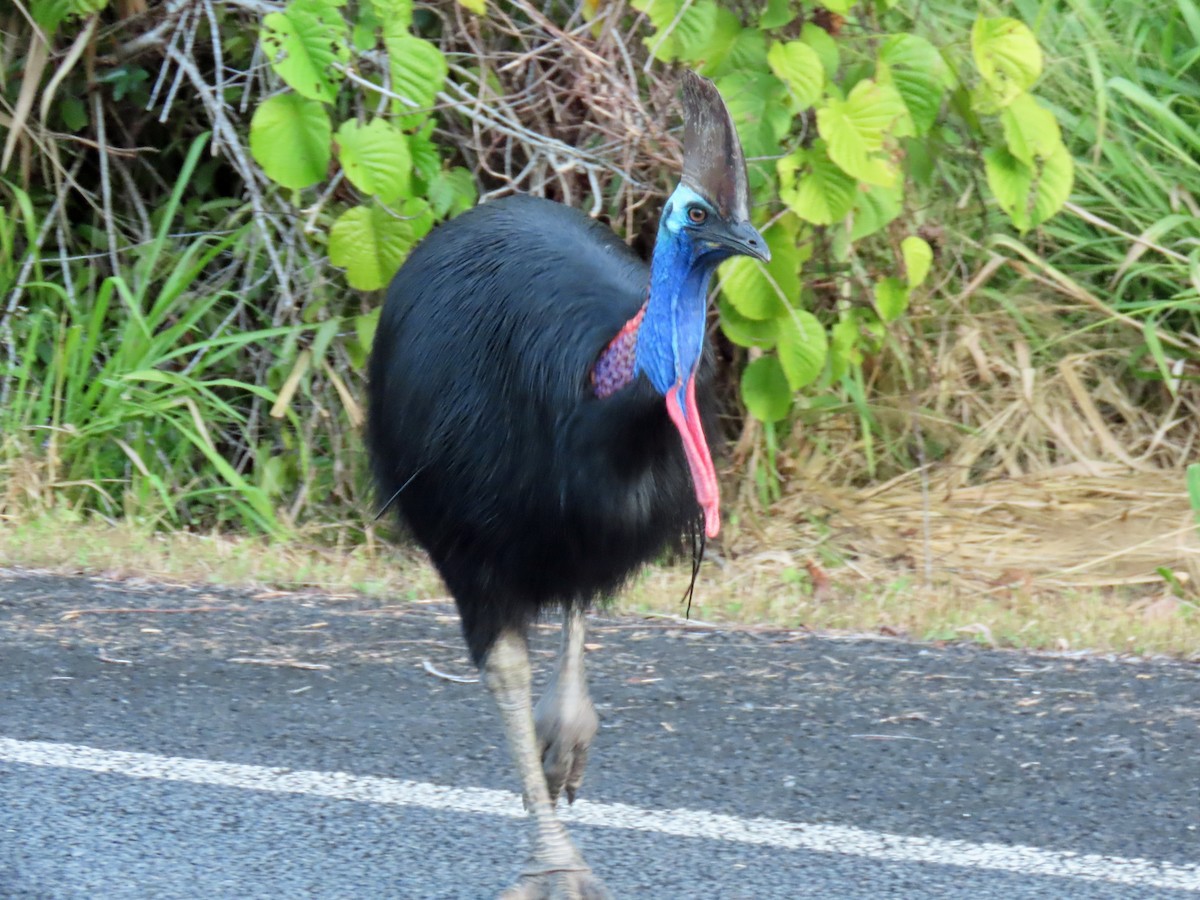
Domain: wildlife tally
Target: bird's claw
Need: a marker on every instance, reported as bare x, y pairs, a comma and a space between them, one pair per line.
566, 723
571, 884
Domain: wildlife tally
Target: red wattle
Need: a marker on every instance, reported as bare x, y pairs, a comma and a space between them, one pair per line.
695, 447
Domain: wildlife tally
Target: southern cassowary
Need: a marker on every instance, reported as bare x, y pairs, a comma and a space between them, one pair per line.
535, 419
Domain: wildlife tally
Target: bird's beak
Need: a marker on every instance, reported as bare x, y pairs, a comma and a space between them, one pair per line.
741, 238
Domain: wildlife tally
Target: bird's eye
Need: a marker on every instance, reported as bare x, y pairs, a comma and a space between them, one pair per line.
697, 215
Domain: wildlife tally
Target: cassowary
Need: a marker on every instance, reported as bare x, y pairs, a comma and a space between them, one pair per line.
534, 417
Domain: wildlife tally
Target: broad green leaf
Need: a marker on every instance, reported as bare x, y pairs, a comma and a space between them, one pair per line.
891, 299
749, 52
813, 187
799, 67
426, 161
305, 43
857, 128
765, 389
370, 243
1010, 181
375, 158
748, 288
375, 16
1007, 55
479, 7
694, 32
746, 332
662, 15
765, 290
875, 209
841, 7
396, 13
721, 42
826, 47
759, 105
1030, 130
290, 138
1029, 196
358, 346
918, 257
916, 69
452, 192
1054, 184
776, 14
418, 73
803, 347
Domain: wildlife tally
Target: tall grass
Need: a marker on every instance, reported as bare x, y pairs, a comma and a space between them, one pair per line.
125, 399
1125, 81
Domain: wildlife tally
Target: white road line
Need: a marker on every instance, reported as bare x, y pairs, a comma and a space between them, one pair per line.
686, 823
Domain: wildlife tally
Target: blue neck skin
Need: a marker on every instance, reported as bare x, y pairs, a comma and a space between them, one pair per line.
671, 337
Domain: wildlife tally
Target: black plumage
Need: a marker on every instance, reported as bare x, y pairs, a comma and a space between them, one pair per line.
526, 488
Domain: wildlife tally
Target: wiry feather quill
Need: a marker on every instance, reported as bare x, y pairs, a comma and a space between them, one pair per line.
713, 164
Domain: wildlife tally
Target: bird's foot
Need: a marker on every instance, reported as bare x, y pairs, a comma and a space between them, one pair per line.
558, 884
566, 722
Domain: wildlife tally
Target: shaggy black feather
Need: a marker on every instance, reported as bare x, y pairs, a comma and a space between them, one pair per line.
526, 489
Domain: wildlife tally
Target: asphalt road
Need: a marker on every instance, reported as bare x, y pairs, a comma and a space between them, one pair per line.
758, 765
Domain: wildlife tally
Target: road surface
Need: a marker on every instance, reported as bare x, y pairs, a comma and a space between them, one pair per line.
179, 742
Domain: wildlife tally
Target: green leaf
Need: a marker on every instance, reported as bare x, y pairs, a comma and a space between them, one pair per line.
891, 299
395, 13
841, 7
1054, 185
370, 243
426, 161
799, 67
875, 209
305, 43
1030, 130
479, 7
418, 73
776, 14
746, 332
813, 187
857, 128
1027, 195
721, 42
749, 52
1007, 55
749, 290
693, 33
765, 290
765, 389
918, 257
822, 42
375, 158
452, 192
290, 138
803, 347
915, 68
1010, 180
758, 103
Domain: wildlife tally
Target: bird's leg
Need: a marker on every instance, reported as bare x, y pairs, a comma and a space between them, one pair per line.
555, 868
565, 718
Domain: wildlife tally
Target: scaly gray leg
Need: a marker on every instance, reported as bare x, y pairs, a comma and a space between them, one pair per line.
565, 718
555, 870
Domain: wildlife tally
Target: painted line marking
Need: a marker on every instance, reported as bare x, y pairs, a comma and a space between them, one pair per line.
685, 823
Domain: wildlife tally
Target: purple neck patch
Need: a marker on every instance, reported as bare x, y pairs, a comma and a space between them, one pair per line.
615, 367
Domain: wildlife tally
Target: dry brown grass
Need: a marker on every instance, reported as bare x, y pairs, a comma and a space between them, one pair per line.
1065, 562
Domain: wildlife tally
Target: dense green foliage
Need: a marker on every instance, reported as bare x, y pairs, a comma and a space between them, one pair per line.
198, 202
